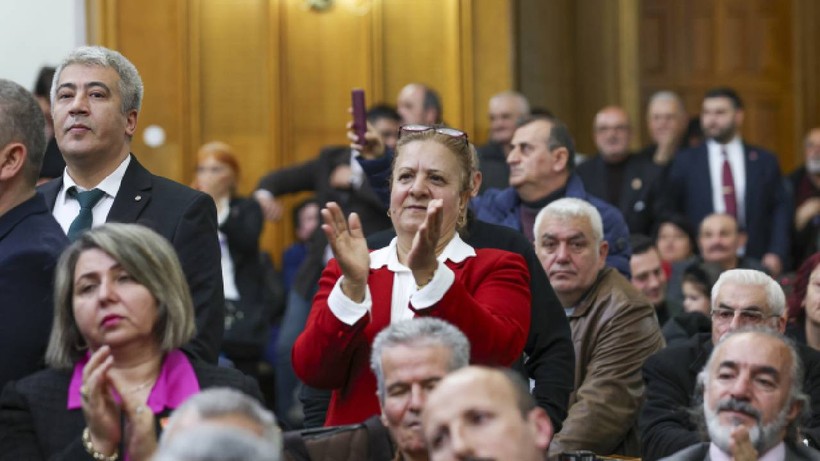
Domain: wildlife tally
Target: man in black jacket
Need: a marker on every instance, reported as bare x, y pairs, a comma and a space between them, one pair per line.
740, 298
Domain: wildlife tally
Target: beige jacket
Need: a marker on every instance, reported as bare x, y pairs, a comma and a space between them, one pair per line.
614, 330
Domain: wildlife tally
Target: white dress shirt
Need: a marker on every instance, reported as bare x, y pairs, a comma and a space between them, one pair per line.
734, 151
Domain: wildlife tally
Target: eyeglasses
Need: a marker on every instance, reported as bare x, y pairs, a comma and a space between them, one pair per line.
747, 316
452, 132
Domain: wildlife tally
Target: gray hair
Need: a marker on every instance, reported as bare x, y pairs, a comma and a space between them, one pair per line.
217, 443
796, 394
520, 99
222, 401
570, 208
669, 96
425, 331
21, 120
150, 260
131, 88
775, 298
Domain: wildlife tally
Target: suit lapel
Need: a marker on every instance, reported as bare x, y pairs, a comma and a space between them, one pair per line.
702, 185
134, 194
753, 173
50, 191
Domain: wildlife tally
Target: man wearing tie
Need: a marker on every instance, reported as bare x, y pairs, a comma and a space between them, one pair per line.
725, 175
95, 101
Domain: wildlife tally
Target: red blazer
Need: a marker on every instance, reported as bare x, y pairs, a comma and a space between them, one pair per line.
489, 301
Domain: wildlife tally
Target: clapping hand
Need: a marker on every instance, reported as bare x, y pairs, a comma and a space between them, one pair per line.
349, 246
421, 258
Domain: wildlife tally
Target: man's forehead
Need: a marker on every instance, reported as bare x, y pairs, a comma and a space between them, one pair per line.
717, 223
769, 352
718, 102
742, 296
565, 227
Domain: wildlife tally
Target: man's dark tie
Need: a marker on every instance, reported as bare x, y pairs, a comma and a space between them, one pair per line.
728, 189
83, 220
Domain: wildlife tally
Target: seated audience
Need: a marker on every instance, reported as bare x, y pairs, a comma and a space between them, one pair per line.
409, 358
649, 278
752, 403
484, 413
306, 221
248, 306
675, 239
427, 270
740, 298
614, 330
30, 238
804, 304
506, 109
122, 310
804, 183
215, 443
666, 123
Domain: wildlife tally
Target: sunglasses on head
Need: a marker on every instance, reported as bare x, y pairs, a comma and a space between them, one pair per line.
452, 132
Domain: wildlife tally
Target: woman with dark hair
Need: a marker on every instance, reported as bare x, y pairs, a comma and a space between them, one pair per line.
698, 279
122, 309
804, 304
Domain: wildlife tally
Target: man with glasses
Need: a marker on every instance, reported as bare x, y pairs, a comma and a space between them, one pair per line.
740, 298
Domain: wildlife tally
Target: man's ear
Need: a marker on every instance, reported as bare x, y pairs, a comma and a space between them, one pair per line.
541, 425
603, 252
12, 159
742, 237
131, 122
561, 155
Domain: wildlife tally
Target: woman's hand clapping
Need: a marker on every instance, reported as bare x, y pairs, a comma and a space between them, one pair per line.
349, 246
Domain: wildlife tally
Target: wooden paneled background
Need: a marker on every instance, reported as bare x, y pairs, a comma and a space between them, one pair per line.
273, 77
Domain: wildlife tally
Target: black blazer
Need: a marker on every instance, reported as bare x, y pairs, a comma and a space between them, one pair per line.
670, 376
187, 218
35, 423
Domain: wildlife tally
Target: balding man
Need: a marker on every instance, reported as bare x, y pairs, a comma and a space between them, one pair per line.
629, 182
418, 104
484, 413
506, 110
740, 298
30, 238
752, 403
666, 121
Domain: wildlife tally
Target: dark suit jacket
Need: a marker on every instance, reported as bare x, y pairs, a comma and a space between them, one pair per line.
767, 205
670, 376
549, 354
700, 452
35, 423
187, 218
639, 189
30, 243
314, 175
493, 165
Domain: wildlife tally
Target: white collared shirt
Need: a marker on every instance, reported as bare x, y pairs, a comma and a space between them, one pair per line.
404, 285
66, 208
228, 269
776, 453
734, 151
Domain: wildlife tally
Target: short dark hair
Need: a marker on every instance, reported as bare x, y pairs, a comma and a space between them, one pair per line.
559, 135
641, 244
380, 111
301, 206
725, 92
42, 86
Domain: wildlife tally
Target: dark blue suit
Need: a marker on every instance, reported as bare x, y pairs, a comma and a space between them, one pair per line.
767, 206
187, 218
30, 243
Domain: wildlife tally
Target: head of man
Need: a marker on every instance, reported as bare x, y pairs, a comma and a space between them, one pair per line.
506, 110
720, 239
721, 115
612, 132
409, 358
569, 242
419, 104
95, 102
386, 122
484, 413
22, 144
541, 158
666, 118
811, 152
746, 298
647, 270
760, 391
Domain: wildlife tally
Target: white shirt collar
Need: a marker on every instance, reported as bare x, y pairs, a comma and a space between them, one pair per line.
110, 185
456, 251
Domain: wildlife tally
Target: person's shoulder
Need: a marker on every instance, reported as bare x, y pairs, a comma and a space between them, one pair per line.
485, 234
45, 382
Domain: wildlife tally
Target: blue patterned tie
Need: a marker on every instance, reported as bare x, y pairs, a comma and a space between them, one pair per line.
83, 220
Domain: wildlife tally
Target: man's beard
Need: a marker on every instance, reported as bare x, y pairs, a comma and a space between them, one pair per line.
762, 436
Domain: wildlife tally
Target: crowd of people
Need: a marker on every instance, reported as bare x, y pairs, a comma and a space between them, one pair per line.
516, 300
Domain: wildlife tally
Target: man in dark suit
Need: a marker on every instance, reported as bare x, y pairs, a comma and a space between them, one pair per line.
96, 100
751, 403
740, 298
625, 180
30, 238
725, 175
